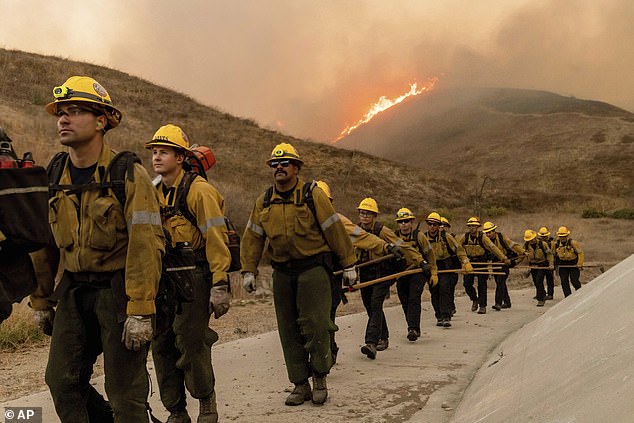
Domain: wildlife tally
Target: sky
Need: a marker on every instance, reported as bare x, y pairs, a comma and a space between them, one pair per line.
310, 68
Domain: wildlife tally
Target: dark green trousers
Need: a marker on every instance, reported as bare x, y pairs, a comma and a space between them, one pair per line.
85, 326
302, 307
182, 354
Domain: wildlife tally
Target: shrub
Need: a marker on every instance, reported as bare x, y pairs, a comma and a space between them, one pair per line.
625, 213
496, 211
19, 330
592, 213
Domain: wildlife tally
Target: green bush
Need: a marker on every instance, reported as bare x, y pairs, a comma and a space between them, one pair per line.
623, 214
496, 211
592, 213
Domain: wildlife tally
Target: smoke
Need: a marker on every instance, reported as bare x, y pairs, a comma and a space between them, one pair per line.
309, 68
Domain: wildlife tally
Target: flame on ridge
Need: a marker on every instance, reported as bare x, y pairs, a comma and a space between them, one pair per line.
383, 104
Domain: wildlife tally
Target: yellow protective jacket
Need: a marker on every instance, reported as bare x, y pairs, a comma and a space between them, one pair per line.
293, 231
97, 235
509, 243
210, 233
539, 253
479, 245
446, 249
422, 246
568, 251
362, 239
412, 256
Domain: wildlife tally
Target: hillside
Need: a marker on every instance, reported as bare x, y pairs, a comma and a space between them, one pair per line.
535, 149
241, 147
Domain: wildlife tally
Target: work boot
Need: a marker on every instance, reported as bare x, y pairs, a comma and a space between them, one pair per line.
541, 303
446, 323
320, 390
474, 306
497, 307
369, 350
453, 312
549, 297
482, 310
412, 335
208, 412
300, 393
382, 344
179, 416
506, 305
439, 322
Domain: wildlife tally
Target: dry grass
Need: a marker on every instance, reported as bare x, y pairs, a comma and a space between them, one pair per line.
19, 330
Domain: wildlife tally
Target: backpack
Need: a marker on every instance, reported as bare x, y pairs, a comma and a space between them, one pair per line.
305, 196
180, 207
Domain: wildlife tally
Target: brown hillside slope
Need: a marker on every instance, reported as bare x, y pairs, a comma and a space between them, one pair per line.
241, 147
534, 147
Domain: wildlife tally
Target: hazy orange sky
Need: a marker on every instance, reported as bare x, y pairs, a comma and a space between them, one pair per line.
308, 68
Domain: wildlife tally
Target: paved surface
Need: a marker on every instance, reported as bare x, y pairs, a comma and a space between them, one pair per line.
419, 381
573, 364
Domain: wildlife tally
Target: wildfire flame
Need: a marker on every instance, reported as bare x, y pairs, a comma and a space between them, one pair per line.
383, 104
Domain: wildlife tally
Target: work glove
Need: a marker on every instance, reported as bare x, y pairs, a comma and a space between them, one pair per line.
467, 267
248, 282
426, 267
349, 276
219, 299
44, 320
396, 250
137, 331
433, 279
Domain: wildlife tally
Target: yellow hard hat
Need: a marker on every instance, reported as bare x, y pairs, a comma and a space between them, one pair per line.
543, 231
369, 204
529, 235
445, 221
404, 214
83, 89
473, 221
170, 136
563, 231
284, 151
488, 227
433, 217
325, 188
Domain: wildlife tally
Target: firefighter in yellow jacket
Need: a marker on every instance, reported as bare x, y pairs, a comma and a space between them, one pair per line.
544, 235
192, 212
304, 232
449, 256
362, 240
410, 287
511, 249
479, 249
110, 242
568, 260
540, 259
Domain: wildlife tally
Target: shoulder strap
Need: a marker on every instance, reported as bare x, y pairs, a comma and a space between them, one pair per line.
120, 167
503, 243
266, 203
415, 235
181, 197
54, 171
376, 229
443, 235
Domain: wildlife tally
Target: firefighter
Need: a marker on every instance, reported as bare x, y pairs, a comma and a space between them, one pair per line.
478, 248
303, 231
540, 259
449, 256
192, 212
410, 288
446, 226
376, 332
544, 235
110, 249
362, 240
511, 249
568, 260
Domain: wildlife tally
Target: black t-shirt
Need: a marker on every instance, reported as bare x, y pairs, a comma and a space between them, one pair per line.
81, 175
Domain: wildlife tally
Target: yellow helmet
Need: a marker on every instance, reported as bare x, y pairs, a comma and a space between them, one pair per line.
404, 214
445, 222
529, 235
170, 136
473, 221
325, 188
284, 151
369, 204
433, 217
83, 89
563, 231
488, 227
543, 231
